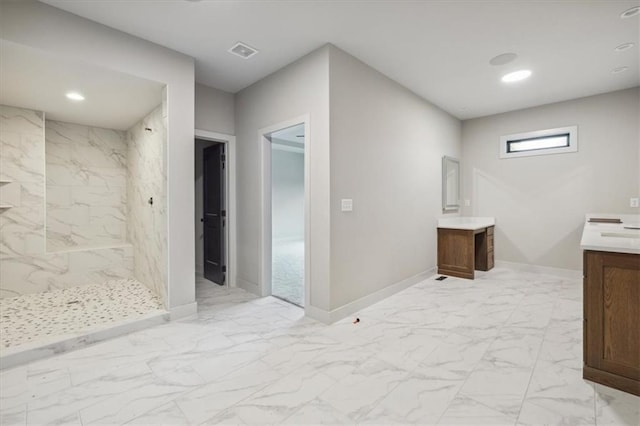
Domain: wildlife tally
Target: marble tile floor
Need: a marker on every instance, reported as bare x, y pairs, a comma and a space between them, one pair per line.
45, 317
504, 349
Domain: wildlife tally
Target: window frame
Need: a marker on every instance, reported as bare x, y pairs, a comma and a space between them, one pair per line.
570, 131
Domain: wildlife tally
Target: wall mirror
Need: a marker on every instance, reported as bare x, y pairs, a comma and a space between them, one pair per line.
450, 183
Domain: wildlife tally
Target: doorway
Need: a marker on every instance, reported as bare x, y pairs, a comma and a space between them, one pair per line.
213, 213
212, 218
286, 185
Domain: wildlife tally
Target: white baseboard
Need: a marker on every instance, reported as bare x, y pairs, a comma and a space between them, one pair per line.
183, 311
525, 267
317, 314
329, 317
248, 286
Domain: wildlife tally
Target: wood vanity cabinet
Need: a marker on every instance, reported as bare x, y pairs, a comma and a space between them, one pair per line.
463, 251
484, 249
612, 319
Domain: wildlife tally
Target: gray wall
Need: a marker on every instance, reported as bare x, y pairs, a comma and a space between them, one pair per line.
539, 202
386, 149
287, 179
44, 27
300, 88
214, 110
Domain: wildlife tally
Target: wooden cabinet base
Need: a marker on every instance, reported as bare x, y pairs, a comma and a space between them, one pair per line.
612, 380
461, 252
453, 273
611, 318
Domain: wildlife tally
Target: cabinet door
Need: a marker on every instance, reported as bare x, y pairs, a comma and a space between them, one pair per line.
612, 313
456, 253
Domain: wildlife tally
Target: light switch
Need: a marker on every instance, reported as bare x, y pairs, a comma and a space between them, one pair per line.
634, 202
467, 203
347, 204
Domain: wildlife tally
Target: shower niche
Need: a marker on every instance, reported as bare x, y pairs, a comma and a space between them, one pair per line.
80, 241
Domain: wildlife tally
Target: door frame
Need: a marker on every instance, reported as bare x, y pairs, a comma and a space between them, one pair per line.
230, 198
265, 190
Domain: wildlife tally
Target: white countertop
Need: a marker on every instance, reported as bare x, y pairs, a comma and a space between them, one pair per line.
471, 223
612, 237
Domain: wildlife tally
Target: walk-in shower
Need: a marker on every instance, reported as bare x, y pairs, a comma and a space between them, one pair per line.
82, 200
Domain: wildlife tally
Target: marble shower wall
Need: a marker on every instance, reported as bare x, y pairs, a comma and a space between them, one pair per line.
147, 223
25, 265
86, 170
22, 173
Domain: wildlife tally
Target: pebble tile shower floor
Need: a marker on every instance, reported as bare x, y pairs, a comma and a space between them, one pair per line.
504, 349
31, 318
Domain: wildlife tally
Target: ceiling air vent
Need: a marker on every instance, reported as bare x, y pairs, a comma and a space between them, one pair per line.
243, 50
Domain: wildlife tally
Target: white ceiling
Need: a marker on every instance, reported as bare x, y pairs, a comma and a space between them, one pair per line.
438, 49
33, 79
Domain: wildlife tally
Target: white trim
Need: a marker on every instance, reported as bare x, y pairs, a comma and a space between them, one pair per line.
248, 286
183, 311
329, 317
318, 314
231, 235
547, 270
573, 142
264, 281
265, 190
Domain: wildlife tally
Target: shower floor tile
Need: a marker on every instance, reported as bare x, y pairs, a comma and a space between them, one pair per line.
32, 318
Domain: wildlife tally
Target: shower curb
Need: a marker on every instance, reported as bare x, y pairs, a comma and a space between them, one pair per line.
23, 354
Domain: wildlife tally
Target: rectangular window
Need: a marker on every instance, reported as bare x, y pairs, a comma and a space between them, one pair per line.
543, 142
540, 142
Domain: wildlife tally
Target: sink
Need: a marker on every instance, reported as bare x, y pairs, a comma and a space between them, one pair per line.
621, 234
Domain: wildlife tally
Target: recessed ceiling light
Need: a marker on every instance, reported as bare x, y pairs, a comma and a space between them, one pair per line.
503, 58
623, 47
75, 96
630, 12
619, 70
512, 77
243, 50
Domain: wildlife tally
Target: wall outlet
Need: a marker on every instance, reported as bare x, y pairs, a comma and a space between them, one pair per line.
634, 202
347, 205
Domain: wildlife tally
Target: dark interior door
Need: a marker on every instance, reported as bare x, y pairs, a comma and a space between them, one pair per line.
214, 215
